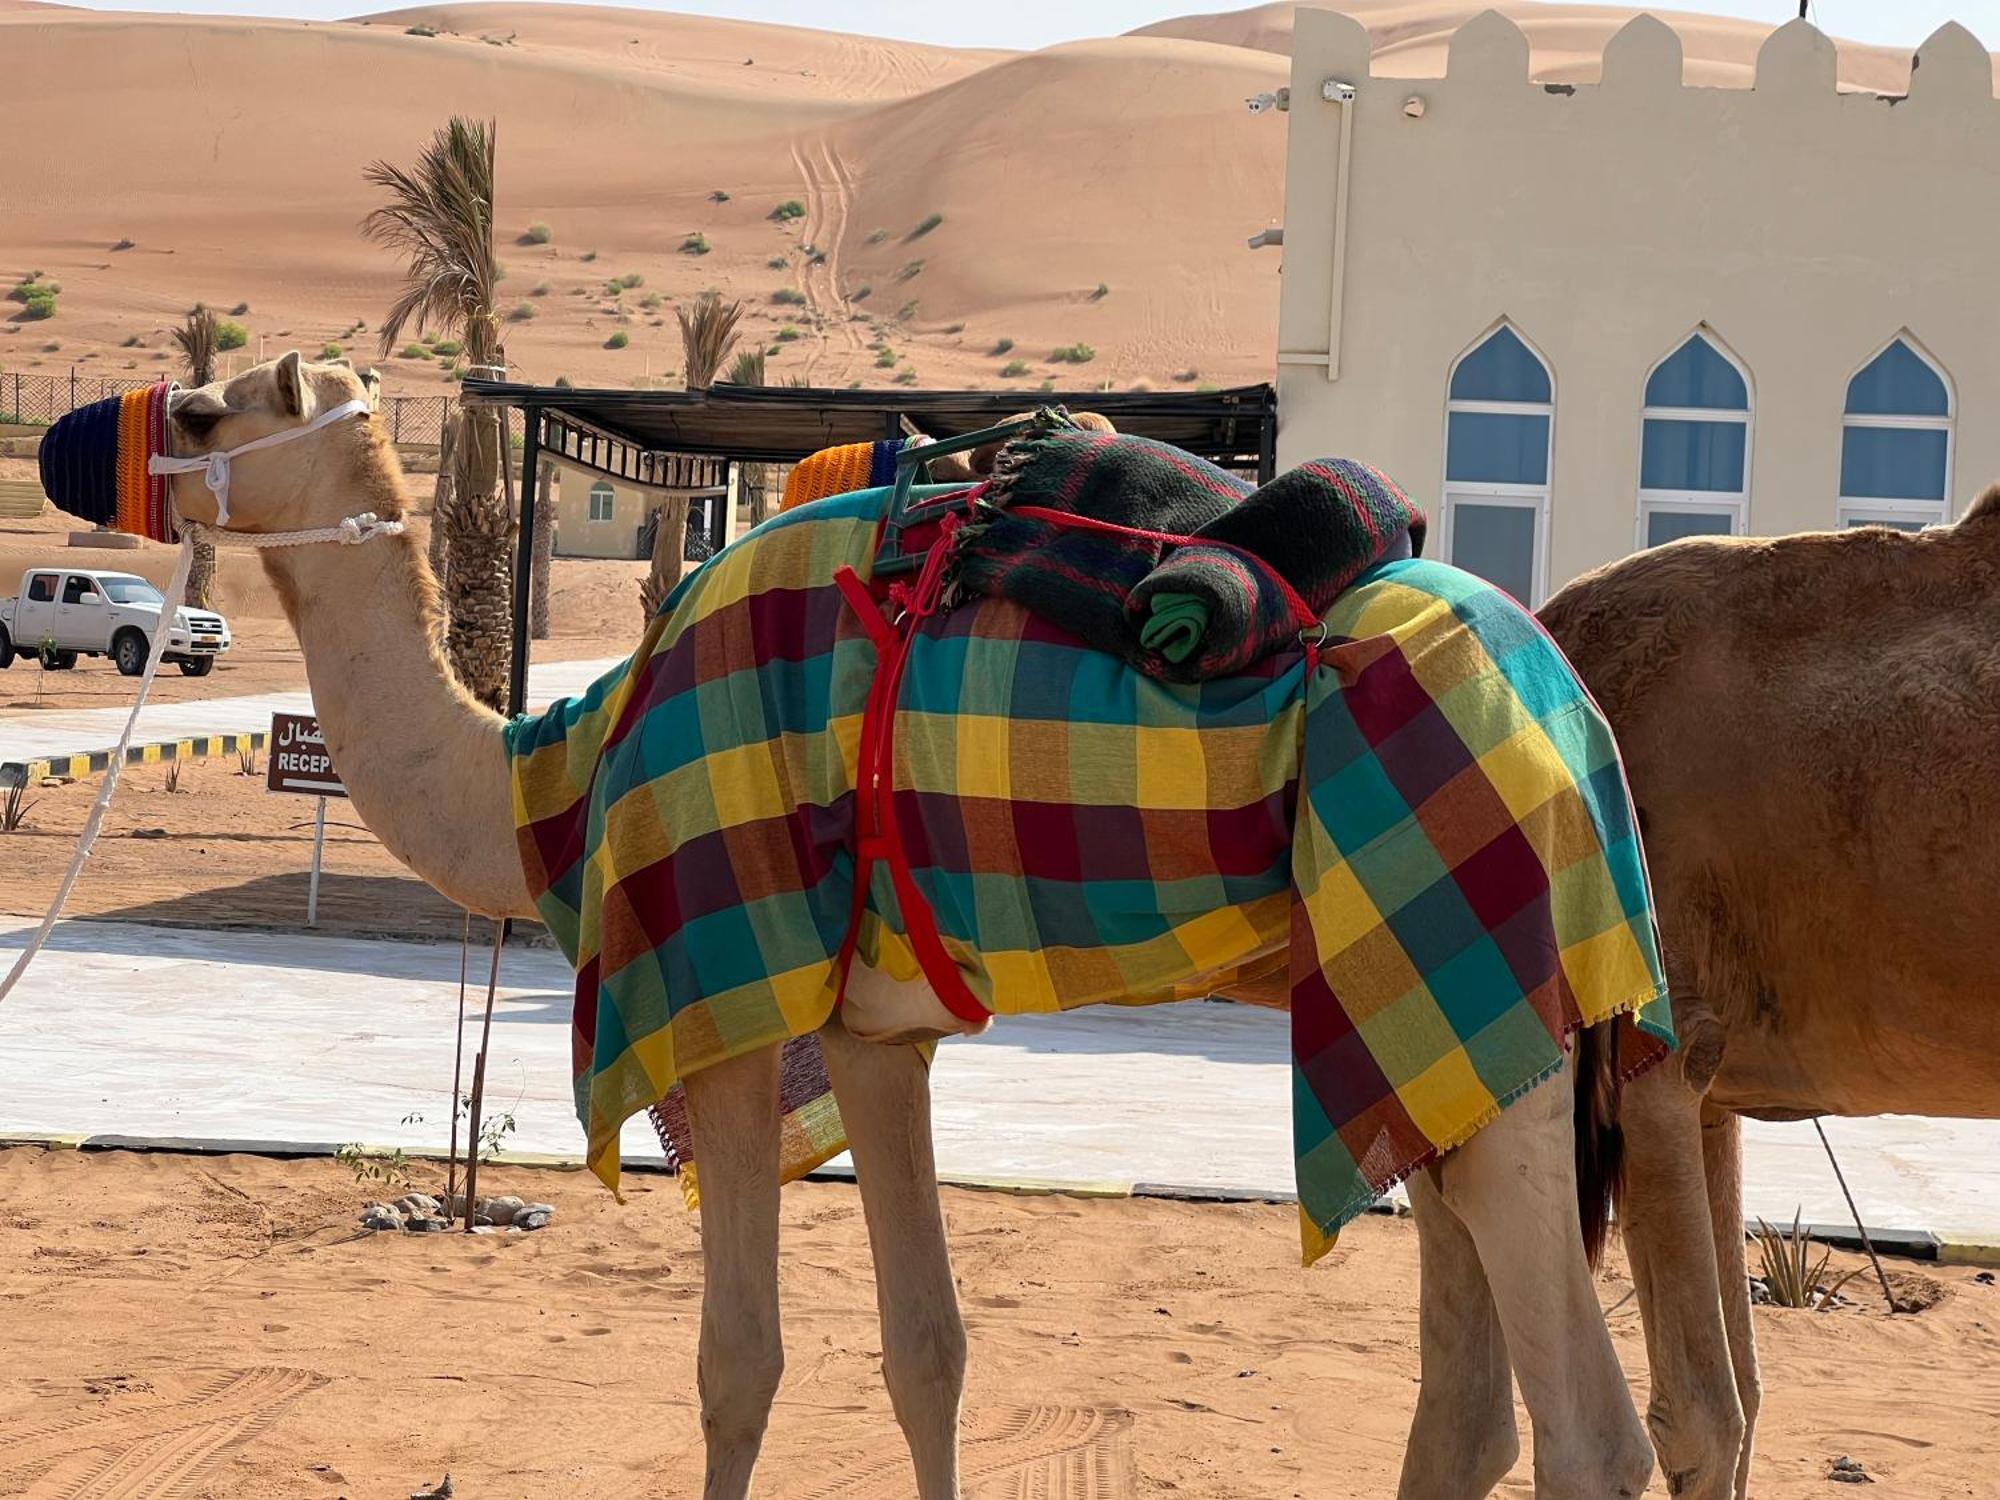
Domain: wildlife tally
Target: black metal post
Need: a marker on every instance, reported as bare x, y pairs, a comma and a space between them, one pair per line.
524, 557
1267, 446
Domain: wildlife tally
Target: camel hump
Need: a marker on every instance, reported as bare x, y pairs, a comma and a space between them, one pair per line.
1988, 503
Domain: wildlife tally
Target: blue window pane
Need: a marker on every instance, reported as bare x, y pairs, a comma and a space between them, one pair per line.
1897, 383
1487, 447
1671, 525
1696, 374
1501, 369
1851, 522
1692, 456
1892, 463
1498, 543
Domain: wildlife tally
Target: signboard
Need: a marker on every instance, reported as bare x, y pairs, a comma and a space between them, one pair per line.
298, 761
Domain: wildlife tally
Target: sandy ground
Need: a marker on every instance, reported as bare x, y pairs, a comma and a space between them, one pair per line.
218, 1327
657, 148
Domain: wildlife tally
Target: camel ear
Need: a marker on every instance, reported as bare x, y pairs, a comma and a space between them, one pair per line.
197, 412
371, 382
291, 383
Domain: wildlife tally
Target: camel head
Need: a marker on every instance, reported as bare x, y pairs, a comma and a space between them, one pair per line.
310, 481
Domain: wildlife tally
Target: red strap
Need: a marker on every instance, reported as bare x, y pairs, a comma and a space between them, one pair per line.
876, 833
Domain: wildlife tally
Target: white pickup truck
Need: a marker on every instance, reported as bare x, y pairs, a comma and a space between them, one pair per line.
63, 613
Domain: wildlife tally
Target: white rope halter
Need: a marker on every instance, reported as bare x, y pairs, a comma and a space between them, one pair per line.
214, 469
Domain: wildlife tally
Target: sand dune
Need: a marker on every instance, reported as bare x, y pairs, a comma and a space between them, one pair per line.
230, 151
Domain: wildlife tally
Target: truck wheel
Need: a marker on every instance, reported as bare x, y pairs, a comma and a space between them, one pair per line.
128, 650
6, 649
197, 666
58, 661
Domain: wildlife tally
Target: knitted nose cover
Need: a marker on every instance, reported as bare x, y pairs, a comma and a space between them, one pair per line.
94, 464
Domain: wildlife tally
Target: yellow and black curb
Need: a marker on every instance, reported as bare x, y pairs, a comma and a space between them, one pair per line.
76, 767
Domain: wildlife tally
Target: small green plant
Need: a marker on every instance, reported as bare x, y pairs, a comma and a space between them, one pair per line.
540, 289
537, 234
777, 263
884, 360
695, 244
954, 328
817, 258
413, 351
125, 243
1206, 389
911, 271
588, 256
499, 271
493, 1132
1047, 385
618, 340
133, 341
924, 226
331, 350
38, 303
1103, 291
447, 348
562, 383
1014, 369
718, 196
239, 309
173, 782
1188, 376
876, 237
790, 209
14, 806
523, 312
1003, 346
789, 296
906, 377
229, 335
787, 334
906, 312
1073, 354
246, 757
389, 1169
1791, 1276
420, 30
861, 293
630, 280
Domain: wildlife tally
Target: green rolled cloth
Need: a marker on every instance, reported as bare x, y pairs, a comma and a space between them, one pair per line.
1175, 625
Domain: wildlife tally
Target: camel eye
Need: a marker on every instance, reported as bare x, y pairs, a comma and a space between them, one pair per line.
197, 415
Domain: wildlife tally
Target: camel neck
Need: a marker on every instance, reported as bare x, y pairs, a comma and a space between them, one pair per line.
422, 760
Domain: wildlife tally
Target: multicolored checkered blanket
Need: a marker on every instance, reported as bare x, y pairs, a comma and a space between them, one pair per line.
1433, 826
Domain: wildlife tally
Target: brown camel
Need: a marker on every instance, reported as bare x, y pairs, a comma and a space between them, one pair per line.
1502, 1241
1811, 725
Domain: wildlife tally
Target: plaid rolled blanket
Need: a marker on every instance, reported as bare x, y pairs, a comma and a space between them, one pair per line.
1431, 828
1257, 565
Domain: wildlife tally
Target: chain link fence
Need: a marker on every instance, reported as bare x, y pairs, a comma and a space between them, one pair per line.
39, 400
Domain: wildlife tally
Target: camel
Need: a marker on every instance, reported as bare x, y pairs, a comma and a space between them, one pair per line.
1502, 1219
1809, 725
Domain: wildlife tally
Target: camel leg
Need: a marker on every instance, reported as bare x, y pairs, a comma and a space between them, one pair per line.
885, 1102
1722, 1161
1513, 1186
1696, 1414
734, 1108
1462, 1440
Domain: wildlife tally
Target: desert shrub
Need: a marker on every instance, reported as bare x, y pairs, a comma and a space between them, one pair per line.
951, 328
817, 258
630, 280
239, 309
230, 335
906, 312
37, 302
331, 350
924, 226
537, 234
413, 351
588, 256
1073, 354
906, 377
1002, 346
777, 263
420, 30
540, 289
522, 312
1014, 369
910, 271
456, 374
124, 244
787, 334
789, 296
1101, 293
860, 293
791, 208
884, 360
1047, 385
695, 244
718, 196
618, 340
499, 271
651, 300
1187, 377
446, 347
132, 341
877, 236
562, 383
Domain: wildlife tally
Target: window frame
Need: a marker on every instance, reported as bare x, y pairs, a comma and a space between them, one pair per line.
1875, 510
1733, 503
1535, 497
610, 497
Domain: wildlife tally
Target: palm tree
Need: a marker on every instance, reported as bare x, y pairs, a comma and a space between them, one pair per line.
439, 218
708, 333
748, 369
199, 337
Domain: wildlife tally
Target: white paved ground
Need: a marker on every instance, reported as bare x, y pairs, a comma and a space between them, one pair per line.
38, 735
125, 1029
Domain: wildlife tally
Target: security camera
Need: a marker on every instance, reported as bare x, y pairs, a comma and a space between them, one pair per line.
1269, 100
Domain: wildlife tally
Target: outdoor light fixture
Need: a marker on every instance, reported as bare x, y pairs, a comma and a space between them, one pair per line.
1336, 92
1281, 99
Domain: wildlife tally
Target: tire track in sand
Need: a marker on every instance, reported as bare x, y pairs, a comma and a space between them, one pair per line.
829, 188
1018, 1453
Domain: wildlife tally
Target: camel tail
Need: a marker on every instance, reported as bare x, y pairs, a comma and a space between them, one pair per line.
1600, 1139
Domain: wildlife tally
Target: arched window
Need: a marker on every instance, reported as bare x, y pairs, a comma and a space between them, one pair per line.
603, 501
1895, 442
1694, 447
1499, 411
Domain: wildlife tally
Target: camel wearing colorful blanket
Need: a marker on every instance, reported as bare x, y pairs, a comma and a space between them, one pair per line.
428, 769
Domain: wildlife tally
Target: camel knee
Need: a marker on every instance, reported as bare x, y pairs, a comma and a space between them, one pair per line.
1456, 1454
1619, 1470
1699, 1444
738, 1378
923, 1364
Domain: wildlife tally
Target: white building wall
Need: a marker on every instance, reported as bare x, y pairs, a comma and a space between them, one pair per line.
1806, 227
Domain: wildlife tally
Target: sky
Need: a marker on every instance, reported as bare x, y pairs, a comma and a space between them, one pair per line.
1040, 23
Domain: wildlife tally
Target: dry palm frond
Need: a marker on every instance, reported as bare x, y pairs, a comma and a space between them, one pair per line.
440, 218
1791, 1276
747, 368
199, 340
708, 333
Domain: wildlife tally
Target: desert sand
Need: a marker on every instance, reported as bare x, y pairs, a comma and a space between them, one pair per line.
1096, 193
219, 1327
